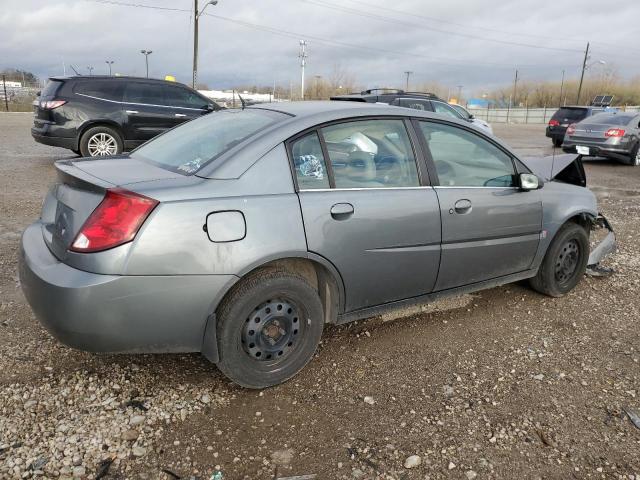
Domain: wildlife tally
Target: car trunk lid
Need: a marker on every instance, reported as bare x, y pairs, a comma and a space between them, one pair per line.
81, 187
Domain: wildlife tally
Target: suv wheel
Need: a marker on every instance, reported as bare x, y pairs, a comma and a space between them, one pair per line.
268, 328
564, 263
100, 141
634, 158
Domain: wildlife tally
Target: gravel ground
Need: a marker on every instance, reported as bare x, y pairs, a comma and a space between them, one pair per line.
504, 383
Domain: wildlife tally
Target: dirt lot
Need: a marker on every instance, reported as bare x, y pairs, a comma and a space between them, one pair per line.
505, 383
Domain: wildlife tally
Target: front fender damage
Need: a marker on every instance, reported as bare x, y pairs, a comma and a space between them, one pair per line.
605, 247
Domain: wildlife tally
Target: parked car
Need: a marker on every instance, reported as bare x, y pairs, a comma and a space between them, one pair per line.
241, 234
467, 115
564, 117
614, 135
100, 115
416, 100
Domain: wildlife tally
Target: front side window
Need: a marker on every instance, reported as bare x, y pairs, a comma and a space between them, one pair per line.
145, 93
309, 162
192, 145
464, 159
182, 97
371, 154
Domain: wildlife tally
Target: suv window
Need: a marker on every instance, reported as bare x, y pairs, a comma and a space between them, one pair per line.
440, 107
415, 103
184, 98
309, 162
148, 93
51, 88
570, 115
99, 89
371, 154
465, 159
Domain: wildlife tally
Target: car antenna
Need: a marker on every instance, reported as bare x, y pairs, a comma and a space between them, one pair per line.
242, 101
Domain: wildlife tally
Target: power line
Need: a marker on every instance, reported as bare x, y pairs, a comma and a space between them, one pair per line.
382, 18
297, 35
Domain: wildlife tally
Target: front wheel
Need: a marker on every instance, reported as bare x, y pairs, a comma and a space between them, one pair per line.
564, 263
101, 141
269, 327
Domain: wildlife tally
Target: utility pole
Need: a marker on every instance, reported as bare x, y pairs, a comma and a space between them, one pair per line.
407, 73
195, 43
561, 89
303, 61
584, 67
6, 99
146, 54
515, 86
460, 94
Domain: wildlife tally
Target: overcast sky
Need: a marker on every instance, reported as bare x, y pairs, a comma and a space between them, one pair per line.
477, 44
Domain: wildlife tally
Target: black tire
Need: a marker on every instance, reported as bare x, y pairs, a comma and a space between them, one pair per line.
557, 142
564, 263
112, 141
634, 157
249, 355
77, 152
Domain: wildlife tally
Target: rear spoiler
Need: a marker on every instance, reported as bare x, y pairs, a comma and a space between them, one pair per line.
71, 175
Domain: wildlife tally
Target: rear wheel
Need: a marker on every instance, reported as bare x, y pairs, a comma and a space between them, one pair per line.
557, 142
100, 141
268, 328
564, 263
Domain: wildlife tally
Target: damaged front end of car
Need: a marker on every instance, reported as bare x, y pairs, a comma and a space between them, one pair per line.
605, 245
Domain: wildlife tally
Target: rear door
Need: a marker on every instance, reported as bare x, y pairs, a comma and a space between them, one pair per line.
146, 111
366, 210
489, 227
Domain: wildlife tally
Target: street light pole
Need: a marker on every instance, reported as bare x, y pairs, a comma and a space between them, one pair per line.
303, 61
584, 67
407, 73
460, 94
146, 54
90, 70
196, 19
109, 63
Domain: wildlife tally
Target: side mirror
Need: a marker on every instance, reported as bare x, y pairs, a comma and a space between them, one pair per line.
529, 181
39, 93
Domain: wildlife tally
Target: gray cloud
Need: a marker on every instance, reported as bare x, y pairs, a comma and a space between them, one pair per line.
40, 35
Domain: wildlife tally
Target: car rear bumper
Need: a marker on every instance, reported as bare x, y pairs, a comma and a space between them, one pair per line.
599, 149
41, 135
111, 313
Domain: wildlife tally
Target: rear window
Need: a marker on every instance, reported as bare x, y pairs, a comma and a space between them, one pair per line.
51, 88
107, 90
571, 114
191, 146
611, 119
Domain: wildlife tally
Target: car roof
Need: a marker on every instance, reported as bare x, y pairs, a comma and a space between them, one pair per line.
63, 78
303, 116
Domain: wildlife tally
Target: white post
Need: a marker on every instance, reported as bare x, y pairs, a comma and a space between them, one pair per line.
303, 62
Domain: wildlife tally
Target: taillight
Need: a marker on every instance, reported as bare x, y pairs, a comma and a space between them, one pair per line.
614, 132
114, 222
571, 129
51, 104
553, 123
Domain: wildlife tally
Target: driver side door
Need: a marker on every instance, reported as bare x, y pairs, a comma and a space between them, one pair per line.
490, 228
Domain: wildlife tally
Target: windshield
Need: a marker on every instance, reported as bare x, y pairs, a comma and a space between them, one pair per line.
610, 119
570, 114
461, 110
191, 146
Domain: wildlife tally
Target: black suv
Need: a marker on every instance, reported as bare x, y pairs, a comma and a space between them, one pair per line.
99, 115
564, 117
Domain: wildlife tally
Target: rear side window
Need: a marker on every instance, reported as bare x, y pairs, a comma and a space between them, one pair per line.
51, 88
184, 98
416, 104
309, 162
145, 93
99, 89
570, 114
371, 154
192, 145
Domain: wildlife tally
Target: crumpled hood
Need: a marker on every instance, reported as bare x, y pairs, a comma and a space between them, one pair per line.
548, 168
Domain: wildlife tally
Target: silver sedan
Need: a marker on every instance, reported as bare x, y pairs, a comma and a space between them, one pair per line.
242, 233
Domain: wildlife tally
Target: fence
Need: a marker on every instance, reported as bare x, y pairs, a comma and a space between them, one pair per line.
526, 115
17, 96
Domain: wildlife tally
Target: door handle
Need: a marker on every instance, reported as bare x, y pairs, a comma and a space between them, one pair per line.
131, 112
462, 206
180, 115
341, 211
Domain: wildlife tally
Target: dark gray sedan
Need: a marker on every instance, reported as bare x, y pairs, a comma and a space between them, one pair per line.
240, 234
614, 135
